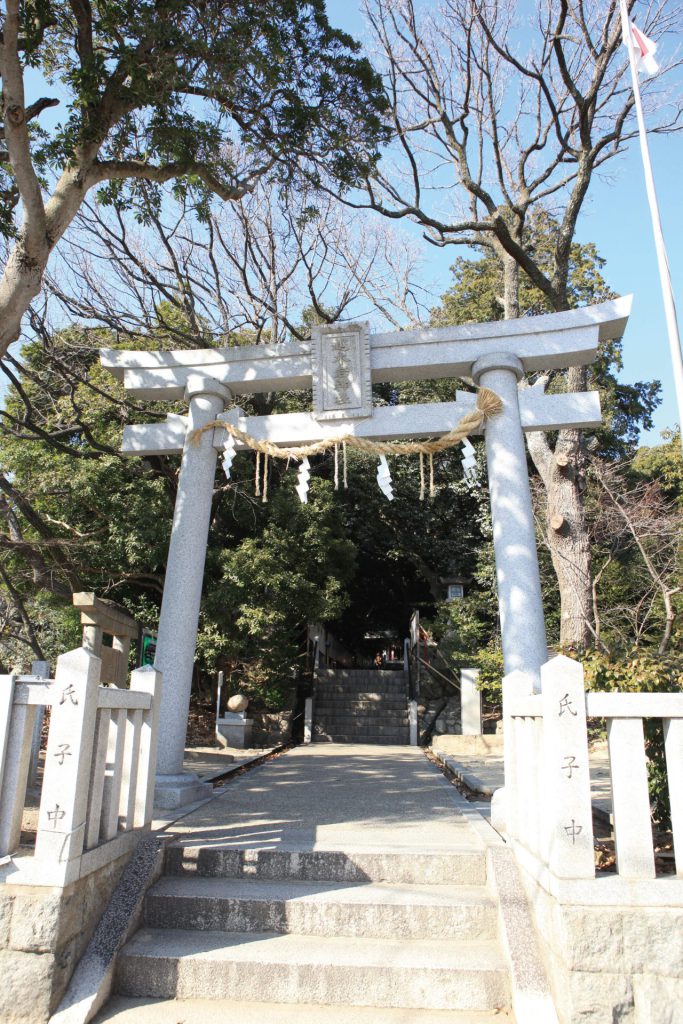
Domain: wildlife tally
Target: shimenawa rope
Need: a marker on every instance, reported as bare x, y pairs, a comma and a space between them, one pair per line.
488, 404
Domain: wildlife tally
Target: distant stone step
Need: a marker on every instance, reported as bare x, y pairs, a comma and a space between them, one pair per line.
361, 730
372, 741
465, 866
340, 717
431, 974
351, 701
125, 1010
359, 673
367, 691
360, 700
375, 910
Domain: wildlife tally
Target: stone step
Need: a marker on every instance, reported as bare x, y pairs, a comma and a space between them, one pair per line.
396, 735
379, 910
364, 731
463, 866
359, 673
399, 740
431, 974
124, 1010
360, 728
358, 707
352, 704
361, 723
366, 691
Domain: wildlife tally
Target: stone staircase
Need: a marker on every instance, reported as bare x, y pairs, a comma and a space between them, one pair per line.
300, 935
360, 706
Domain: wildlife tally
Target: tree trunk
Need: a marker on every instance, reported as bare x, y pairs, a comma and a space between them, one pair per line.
510, 287
562, 474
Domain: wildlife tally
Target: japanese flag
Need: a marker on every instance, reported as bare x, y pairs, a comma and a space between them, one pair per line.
644, 51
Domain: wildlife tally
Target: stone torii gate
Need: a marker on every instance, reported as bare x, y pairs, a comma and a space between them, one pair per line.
340, 364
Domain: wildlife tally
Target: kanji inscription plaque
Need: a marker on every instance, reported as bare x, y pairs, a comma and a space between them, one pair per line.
341, 372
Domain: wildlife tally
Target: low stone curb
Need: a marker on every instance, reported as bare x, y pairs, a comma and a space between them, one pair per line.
91, 982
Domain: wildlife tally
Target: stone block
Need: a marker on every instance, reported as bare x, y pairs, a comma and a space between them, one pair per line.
26, 986
65, 961
594, 941
35, 923
469, 745
601, 998
5, 919
658, 1000
653, 941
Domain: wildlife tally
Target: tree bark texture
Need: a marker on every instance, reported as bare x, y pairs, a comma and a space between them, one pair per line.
564, 484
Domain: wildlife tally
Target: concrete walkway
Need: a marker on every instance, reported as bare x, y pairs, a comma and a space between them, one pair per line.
326, 797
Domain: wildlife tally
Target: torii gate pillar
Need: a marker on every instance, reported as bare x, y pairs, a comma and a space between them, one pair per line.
181, 600
522, 623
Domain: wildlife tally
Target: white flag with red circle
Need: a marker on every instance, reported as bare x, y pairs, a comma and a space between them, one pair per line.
644, 51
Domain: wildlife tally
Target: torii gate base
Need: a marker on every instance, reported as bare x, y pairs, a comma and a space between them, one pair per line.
341, 364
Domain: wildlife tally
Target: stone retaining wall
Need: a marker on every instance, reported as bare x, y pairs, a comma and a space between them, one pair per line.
611, 963
271, 730
43, 934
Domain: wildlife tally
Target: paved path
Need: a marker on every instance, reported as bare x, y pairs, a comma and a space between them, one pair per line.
329, 797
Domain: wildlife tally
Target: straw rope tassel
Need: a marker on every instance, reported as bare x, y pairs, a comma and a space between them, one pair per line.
422, 476
346, 482
264, 498
432, 488
336, 467
257, 480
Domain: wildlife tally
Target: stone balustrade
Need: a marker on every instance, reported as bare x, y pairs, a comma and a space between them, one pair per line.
98, 780
547, 799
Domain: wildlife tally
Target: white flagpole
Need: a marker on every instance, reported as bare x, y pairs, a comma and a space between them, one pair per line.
662, 260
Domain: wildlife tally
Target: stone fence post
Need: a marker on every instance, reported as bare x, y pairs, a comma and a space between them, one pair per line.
39, 670
64, 800
470, 702
567, 844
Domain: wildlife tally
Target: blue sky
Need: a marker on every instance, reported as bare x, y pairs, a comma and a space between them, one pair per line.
616, 217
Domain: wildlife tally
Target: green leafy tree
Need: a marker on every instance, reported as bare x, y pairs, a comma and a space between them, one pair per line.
292, 568
209, 97
77, 515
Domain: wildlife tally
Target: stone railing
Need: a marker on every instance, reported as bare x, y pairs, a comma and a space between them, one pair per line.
547, 799
98, 780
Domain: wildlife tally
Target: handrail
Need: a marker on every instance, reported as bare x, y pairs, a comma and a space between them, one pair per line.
435, 671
